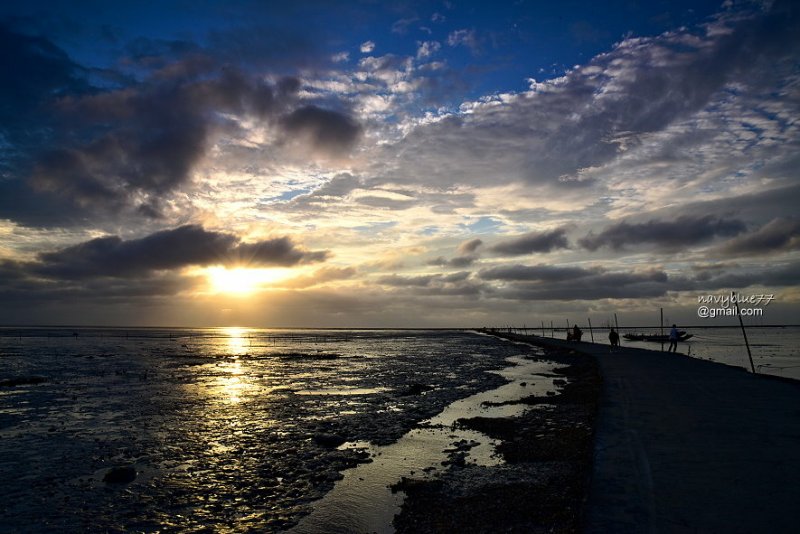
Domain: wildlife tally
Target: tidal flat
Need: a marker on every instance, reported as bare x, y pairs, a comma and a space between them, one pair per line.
241, 431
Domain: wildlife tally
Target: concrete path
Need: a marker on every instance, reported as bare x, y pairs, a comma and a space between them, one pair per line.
685, 445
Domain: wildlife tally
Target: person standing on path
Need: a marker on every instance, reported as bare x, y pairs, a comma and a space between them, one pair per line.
613, 338
673, 339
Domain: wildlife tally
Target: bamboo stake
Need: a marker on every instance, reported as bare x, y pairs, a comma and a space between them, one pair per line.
741, 323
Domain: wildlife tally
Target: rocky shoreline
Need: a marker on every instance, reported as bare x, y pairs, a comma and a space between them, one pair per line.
543, 483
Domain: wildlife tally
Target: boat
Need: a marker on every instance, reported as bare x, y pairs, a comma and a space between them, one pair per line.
657, 338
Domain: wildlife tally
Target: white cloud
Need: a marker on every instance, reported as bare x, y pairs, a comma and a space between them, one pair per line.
340, 57
367, 47
427, 48
463, 37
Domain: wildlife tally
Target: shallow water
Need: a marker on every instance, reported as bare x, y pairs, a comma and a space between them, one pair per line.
221, 425
364, 502
775, 350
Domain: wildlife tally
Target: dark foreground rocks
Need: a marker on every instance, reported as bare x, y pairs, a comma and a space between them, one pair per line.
543, 485
120, 475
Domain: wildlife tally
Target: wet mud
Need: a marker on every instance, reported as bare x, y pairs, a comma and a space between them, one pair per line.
223, 433
542, 484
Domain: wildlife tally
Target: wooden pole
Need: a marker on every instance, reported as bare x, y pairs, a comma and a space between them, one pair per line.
542, 328
567, 331
617, 324
552, 330
741, 323
590, 328
662, 329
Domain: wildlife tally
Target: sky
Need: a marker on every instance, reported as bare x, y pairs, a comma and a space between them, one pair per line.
397, 164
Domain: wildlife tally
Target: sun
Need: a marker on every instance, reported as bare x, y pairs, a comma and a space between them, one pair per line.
241, 280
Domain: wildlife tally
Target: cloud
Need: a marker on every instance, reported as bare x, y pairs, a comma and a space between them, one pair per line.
532, 242
457, 262
540, 273
328, 131
321, 276
780, 234
401, 26
680, 233
464, 37
36, 70
37, 293
376, 201
340, 57
185, 246
426, 49
458, 284
125, 147
469, 246
406, 281
542, 282
601, 286
367, 47
467, 255
566, 134
574, 283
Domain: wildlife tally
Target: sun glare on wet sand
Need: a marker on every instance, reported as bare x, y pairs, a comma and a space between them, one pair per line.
242, 281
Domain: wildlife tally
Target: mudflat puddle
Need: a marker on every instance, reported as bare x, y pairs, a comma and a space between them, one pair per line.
363, 501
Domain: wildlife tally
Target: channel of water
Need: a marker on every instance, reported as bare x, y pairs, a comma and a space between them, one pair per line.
363, 502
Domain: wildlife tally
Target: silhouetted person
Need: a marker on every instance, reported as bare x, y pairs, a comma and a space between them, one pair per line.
576, 333
673, 339
613, 338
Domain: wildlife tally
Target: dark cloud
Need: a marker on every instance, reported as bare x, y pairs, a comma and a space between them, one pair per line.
125, 146
328, 131
532, 242
407, 281
469, 246
166, 250
570, 283
144, 141
781, 234
541, 273
458, 284
462, 261
278, 251
36, 71
339, 186
23, 285
455, 277
387, 203
578, 284
467, 255
773, 275
682, 232
457, 262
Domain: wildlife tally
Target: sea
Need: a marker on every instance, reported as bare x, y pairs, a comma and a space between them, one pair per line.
774, 350
263, 430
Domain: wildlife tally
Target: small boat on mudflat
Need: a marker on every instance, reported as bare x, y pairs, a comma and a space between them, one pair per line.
657, 338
